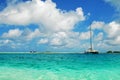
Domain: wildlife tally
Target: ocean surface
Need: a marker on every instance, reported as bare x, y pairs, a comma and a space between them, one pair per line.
59, 66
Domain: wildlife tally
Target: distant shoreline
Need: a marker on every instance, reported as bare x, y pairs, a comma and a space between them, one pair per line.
42, 52
53, 53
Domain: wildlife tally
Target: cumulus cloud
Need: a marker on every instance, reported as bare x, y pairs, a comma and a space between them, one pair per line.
43, 41
97, 25
56, 42
99, 37
113, 33
85, 35
113, 42
110, 33
25, 35
64, 39
55, 25
112, 29
29, 35
9, 44
59, 38
13, 33
4, 42
41, 12
107, 35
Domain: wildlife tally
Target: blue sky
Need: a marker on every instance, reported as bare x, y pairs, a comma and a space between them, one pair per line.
59, 25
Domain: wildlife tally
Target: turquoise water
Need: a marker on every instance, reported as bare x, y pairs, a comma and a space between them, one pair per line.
59, 67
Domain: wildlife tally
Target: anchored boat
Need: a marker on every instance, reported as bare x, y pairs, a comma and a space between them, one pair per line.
91, 50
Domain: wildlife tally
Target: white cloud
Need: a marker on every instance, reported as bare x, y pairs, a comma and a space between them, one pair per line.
17, 45
4, 42
9, 44
97, 25
32, 34
113, 42
58, 38
113, 33
56, 24
41, 12
23, 35
112, 29
56, 42
13, 33
65, 39
85, 35
72, 43
99, 37
60, 35
7, 41
43, 41
108, 36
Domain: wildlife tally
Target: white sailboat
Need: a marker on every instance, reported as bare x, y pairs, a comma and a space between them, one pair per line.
91, 50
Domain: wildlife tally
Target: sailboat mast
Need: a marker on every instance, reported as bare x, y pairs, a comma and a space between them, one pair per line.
91, 45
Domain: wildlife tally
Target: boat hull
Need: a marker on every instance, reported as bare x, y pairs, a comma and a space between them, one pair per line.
92, 52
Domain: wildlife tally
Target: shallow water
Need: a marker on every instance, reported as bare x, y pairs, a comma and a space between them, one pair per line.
59, 67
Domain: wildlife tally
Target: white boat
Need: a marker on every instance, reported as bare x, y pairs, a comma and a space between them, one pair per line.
91, 50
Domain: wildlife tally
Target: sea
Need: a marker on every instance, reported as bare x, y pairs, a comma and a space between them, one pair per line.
53, 66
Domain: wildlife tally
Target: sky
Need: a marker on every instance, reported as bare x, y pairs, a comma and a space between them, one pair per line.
59, 25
